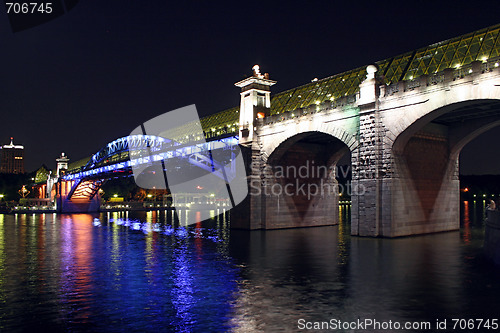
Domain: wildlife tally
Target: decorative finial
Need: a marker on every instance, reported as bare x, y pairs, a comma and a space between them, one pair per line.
371, 70
256, 72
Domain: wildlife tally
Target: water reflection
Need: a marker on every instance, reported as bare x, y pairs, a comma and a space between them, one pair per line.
286, 275
89, 272
466, 225
407, 278
183, 290
76, 267
149, 272
322, 273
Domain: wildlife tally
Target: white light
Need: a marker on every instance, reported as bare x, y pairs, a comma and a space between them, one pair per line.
496, 64
457, 66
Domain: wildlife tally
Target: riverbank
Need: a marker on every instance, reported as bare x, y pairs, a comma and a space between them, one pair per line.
104, 209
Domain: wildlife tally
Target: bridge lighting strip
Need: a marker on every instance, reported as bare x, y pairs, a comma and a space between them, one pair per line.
182, 152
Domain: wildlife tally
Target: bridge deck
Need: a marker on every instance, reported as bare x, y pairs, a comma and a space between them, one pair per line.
457, 52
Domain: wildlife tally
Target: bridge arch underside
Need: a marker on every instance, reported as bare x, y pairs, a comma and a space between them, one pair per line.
299, 187
80, 196
425, 189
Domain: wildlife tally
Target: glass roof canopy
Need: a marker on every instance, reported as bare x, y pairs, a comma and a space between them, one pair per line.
453, 53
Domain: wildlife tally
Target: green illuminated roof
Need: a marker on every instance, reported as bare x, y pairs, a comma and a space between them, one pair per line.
78, 164
216, 121
42, 174
459, 51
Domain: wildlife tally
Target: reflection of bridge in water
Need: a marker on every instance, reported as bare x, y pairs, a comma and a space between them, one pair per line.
403, 122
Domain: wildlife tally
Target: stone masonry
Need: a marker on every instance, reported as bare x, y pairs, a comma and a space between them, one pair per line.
404, 168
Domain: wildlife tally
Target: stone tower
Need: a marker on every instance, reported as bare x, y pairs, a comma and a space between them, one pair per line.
255, 102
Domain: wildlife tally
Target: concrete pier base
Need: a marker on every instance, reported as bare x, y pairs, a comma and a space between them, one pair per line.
79, 206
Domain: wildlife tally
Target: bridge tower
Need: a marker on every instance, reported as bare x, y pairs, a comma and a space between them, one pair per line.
255, 103
62, 164
73, 196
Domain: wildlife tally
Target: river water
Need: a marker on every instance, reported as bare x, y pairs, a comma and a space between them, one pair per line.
142, 271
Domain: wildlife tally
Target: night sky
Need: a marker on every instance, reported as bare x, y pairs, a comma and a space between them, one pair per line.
95, 73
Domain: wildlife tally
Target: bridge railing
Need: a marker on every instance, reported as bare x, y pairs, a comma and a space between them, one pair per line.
179, 151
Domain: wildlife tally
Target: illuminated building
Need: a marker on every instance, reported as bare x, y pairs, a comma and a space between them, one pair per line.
12, 158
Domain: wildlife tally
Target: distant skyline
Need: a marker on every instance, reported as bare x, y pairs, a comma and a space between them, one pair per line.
90, 76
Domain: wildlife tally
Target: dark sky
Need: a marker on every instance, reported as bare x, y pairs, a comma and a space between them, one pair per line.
92, 75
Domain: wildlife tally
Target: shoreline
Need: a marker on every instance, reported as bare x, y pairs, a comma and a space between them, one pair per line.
102, 210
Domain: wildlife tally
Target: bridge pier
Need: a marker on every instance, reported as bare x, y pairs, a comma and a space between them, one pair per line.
250, 213
78, 196
300, 189
406, 166
425, 186
296, 187
408, 189
79, 206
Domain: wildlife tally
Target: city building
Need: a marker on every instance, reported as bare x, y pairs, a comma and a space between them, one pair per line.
12, 158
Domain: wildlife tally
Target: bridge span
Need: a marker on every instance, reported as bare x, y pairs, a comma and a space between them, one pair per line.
403, 121
404, 140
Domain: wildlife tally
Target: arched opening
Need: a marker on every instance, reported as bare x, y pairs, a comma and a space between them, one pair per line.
301, 187
426, 190
479, 180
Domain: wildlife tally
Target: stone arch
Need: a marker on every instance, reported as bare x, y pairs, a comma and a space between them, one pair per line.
299, 187
425, 157
461, 137
274, 144
412, 126
418, 111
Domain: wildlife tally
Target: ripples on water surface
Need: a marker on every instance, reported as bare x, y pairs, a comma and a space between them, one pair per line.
142, 272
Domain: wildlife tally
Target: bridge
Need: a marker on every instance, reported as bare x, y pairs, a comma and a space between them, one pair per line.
403, 121
78, 188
